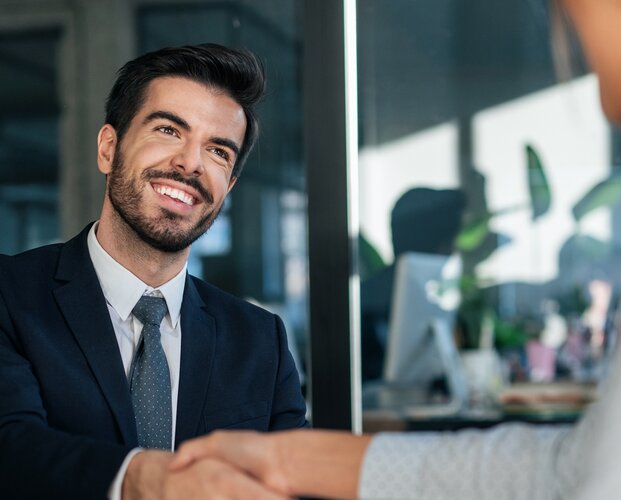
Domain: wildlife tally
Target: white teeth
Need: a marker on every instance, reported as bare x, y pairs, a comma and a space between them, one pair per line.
176, 194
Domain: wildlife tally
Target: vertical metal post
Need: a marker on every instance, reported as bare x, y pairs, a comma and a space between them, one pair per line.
331, 142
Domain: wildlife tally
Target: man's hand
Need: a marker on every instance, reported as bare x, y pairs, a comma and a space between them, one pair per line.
145, 475
257, 454
149, 477
295, 462
212, 478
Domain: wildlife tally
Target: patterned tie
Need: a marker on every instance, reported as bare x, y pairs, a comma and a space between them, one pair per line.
150, 378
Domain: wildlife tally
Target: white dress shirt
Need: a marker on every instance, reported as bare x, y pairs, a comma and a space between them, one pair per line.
122, 291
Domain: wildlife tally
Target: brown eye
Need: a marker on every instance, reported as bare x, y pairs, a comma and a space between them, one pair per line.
222, 153
167, 129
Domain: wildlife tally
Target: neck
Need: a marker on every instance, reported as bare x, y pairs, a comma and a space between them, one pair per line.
152, 266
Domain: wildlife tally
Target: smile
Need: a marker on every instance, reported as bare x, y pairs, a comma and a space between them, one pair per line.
175, 194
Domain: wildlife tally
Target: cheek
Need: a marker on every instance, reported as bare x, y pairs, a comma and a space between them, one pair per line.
218, 188
148, 155
221, 188
218, 180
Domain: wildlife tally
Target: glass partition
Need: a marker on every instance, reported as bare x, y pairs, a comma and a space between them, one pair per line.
496, 180
488, 202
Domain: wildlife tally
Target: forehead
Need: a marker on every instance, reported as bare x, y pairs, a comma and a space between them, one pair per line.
195, 102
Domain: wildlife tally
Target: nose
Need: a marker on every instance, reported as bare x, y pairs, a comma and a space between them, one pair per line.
189, 159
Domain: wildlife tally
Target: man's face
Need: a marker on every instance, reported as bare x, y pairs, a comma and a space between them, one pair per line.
172, 170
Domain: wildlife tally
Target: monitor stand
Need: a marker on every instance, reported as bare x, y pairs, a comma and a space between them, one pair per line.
413, 399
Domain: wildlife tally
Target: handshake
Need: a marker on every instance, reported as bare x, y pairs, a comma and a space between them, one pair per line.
249, 464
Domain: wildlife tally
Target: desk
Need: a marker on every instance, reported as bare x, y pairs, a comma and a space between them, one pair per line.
382, 420
552, 404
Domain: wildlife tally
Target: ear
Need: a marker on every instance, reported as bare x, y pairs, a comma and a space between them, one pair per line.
231, 184
106, 145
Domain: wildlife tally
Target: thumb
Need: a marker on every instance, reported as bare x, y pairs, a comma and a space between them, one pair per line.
188, 453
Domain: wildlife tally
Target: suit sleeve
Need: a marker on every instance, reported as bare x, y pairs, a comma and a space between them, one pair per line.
37, 461
289, 407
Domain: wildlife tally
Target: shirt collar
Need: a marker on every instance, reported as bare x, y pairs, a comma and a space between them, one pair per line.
122, 289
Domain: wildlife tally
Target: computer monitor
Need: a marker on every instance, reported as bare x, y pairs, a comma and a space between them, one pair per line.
420, 344
424, 306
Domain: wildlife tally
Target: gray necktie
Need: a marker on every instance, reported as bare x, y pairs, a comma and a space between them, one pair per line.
150, 378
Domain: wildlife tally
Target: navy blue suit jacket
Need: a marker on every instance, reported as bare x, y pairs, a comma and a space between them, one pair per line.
66, 418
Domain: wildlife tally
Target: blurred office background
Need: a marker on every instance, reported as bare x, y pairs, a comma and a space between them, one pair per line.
451, 96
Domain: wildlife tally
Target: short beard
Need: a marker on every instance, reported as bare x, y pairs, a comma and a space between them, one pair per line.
161, 233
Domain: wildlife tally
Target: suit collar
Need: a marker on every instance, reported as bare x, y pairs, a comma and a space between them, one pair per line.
84, 307
198, 346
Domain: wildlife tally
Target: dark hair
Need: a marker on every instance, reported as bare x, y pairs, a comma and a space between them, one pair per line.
427, 220
237, 72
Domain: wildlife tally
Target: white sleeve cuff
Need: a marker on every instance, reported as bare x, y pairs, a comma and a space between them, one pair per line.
114, 493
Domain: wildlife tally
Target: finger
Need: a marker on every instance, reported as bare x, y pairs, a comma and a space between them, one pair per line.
235, 483
189, 452
228, 446
250, 488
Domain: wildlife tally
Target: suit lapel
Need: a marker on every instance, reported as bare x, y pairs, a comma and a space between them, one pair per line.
84, 307
198, 341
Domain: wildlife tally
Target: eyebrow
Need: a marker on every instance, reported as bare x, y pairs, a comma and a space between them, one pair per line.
227, 143
176, 119
167, 115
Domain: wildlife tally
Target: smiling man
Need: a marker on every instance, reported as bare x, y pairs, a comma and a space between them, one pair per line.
111, 355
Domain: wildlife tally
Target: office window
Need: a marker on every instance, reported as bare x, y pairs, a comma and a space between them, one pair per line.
470, 146
29, 142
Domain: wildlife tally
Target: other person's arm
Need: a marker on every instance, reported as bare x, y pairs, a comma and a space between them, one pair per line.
515, 461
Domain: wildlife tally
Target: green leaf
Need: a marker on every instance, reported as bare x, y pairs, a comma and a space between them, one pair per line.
537, 183
370, 259
508, 335
604, 194
471, 236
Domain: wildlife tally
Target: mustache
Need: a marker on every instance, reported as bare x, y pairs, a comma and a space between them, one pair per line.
173, 175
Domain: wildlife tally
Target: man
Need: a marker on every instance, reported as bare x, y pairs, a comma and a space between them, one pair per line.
507, 462
107, 346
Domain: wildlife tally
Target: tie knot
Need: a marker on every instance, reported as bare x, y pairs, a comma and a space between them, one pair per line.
150, 310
